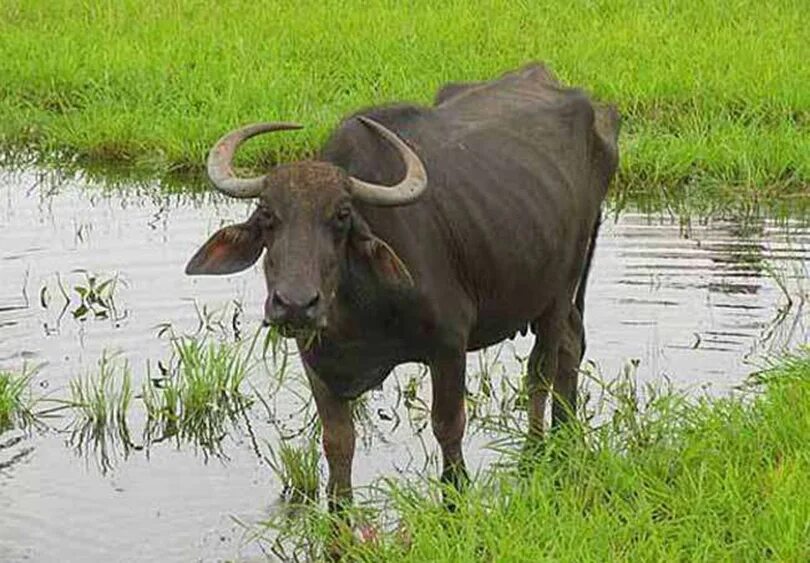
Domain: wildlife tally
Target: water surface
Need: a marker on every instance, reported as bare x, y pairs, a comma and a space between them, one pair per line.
699, 302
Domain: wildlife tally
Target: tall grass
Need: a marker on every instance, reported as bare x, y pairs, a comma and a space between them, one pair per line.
661, 478
714, 93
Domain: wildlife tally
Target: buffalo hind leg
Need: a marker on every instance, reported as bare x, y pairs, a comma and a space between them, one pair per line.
448, 415
338, 442
537, 388
542, 370
566, 378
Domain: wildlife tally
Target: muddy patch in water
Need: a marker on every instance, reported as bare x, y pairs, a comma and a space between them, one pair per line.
86, 275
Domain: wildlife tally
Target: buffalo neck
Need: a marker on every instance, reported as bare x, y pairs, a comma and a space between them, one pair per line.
367, 305
370, 330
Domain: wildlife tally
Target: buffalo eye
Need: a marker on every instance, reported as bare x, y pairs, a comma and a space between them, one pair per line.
342, 216
268, 220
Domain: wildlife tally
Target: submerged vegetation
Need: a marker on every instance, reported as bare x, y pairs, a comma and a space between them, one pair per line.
660, 477
714, 94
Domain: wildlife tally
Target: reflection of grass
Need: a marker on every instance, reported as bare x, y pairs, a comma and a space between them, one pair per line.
713, 92
654, 477
15, 400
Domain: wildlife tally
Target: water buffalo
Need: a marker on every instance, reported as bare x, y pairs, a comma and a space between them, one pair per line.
421, 233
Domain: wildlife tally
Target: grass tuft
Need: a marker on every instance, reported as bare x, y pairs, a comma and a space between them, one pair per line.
16, 402
297, 467
198, 398
101, 404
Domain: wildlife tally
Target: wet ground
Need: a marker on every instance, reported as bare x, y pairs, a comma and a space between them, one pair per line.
702, 303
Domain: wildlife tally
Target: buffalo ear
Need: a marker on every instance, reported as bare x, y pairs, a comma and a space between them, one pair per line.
385, 262
229, 250
382, 259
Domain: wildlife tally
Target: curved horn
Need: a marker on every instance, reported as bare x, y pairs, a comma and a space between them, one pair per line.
221, 155
408, 190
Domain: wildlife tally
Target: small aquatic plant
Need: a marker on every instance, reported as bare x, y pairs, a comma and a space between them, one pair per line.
93, 296
16, 402
97, 294
100, 403
297, 467
199, 395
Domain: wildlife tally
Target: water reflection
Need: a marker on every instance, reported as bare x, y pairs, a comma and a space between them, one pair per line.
13, 450
733, 287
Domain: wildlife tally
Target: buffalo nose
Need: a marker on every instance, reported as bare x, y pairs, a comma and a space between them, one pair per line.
295, 306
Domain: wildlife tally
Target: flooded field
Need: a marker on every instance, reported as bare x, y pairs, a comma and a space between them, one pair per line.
85, 273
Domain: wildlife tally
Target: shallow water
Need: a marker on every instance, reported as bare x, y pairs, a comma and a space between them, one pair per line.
701, 303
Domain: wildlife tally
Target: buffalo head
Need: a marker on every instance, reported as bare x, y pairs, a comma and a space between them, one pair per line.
307, 226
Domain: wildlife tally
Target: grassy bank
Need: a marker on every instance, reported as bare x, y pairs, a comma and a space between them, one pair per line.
714, 94
667, 479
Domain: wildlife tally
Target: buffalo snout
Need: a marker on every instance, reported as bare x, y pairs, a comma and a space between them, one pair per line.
295, 308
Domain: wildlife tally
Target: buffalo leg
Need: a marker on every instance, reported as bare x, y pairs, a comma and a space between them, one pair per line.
542, 370
338, 442
448, 416
537, 387
566, 378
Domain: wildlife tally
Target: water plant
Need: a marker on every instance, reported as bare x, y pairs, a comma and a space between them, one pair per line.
100, 403
199, 396
298, 469
16, 401
97, 295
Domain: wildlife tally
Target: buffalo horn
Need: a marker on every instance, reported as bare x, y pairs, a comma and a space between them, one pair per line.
221, 157
406, 191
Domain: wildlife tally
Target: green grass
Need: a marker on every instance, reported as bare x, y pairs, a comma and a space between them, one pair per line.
100, 403
196, 400
201, 397
16, 402
663, 478
714, 94
297, 467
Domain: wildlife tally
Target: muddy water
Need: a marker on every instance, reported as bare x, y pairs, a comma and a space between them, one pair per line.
700, 303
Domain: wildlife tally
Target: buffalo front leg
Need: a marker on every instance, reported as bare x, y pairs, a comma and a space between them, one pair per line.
338, 441
448, 415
